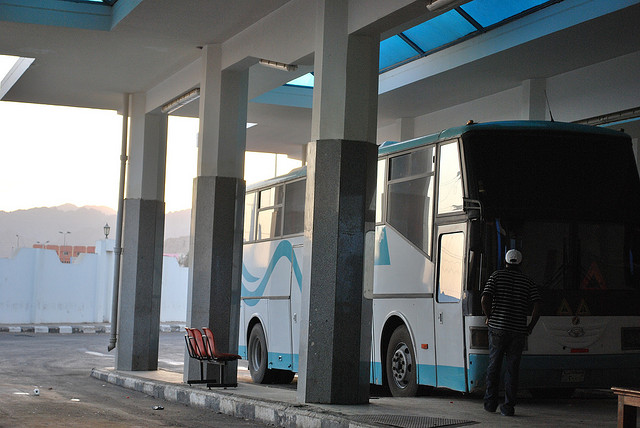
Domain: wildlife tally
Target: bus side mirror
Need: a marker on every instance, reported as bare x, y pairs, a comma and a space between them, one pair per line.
473, 208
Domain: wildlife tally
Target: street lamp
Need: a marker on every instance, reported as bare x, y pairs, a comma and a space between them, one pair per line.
107, 229
18, 243
64, 237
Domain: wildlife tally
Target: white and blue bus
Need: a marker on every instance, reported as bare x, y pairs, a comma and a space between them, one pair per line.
449, 206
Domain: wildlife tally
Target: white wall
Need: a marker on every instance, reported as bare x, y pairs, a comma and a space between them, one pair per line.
602, 88
175, 281
35, 287
599, 89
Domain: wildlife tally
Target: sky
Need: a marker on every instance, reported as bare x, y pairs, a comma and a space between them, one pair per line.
52, 155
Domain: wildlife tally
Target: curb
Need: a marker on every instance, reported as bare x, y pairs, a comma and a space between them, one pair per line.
76, 329
276, 413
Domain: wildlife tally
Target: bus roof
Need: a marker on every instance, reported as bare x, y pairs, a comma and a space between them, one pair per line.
516, 125
296, 173
447, 134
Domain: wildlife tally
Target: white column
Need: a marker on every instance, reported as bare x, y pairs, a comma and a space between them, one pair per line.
636, 151
147, 152
223, 117
345, 93
534, 99
406, 128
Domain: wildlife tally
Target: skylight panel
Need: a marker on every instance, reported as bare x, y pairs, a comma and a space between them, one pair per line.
440, 31
394, 50
456, 25
306, 80
490, 12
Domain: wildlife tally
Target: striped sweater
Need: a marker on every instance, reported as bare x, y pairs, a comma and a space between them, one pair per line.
511, 292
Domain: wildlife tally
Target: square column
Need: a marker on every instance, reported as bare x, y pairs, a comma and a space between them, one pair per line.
143, 235
335, 346
213, 298
215, 270
141, 285
335, 334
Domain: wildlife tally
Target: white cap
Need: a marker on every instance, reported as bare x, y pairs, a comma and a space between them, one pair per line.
513, 257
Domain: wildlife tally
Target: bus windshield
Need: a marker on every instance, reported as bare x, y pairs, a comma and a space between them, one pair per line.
553, 176
570, 203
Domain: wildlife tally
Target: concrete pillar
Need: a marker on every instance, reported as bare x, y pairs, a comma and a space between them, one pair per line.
335, 336
213, 298
141, 274
534, 99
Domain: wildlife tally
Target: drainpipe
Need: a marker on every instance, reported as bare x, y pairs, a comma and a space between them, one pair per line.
117, 250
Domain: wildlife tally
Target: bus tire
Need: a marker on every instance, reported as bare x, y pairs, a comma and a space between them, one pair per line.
258, 356
401, 365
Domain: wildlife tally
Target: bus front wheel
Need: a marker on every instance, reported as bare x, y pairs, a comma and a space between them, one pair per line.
401, 364
257, 356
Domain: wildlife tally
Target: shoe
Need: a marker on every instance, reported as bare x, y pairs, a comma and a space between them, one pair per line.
490, 407
507, 411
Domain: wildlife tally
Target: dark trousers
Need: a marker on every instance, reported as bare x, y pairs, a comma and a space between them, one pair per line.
510, 345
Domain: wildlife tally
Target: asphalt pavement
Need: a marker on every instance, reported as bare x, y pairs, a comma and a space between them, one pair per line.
59, 367
79, 387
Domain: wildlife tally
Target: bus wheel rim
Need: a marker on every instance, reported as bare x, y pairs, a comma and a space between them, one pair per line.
401, 365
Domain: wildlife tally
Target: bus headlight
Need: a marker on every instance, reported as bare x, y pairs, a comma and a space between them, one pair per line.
630, 338
479, 337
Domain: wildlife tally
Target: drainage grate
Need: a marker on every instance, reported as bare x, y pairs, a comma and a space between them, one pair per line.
401, 421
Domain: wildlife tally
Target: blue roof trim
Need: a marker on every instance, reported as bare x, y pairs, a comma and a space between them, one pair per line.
516, 125
57, 13
287, 95
86, 15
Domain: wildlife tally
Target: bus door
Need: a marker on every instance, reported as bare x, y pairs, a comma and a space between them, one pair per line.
295, 291
449, 326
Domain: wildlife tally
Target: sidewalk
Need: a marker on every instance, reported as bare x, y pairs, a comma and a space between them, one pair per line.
272, 404
277, 405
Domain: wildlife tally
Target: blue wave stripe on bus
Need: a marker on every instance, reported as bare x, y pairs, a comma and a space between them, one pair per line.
247, 276
284, 249
382, 257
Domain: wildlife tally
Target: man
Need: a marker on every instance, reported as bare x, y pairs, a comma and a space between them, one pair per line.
506, 299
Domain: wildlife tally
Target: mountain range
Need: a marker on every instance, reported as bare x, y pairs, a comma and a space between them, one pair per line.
50, 225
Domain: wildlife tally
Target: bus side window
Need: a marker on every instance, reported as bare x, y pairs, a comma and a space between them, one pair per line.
410, 196
270, 213
450, 180
294, 207
249, 217
451, 267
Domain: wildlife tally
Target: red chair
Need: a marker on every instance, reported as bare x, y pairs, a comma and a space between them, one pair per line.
202, 348
210, 344
197, 350
219, 358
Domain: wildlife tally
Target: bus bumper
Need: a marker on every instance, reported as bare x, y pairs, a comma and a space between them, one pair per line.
565, 371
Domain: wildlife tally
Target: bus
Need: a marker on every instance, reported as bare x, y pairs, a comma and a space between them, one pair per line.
449, 206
